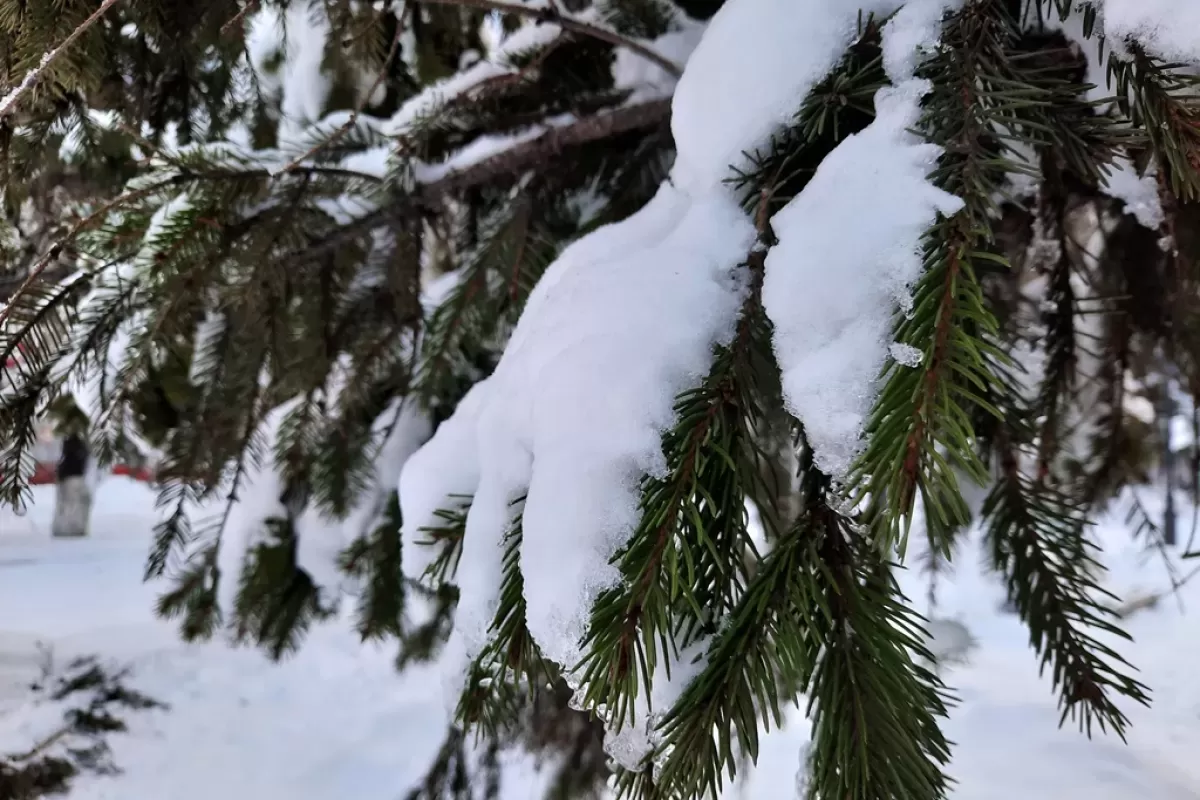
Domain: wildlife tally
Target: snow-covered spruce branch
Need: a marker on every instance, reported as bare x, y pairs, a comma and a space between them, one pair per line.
510, 162
8, 103
552, 15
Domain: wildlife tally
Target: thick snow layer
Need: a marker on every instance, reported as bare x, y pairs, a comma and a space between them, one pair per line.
1169, 29
445, 468
627, 318
757, 60
848, 249
1138, 192
624, 320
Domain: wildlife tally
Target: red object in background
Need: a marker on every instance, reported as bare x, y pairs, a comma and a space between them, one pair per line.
44, 474
137, 473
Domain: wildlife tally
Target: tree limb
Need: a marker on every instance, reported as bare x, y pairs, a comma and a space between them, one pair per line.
9, 102
553, 16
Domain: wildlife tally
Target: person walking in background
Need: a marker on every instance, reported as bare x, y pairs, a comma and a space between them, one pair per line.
73, 497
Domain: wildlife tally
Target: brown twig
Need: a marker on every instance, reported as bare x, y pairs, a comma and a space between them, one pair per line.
9, 102
555, 17
239, 17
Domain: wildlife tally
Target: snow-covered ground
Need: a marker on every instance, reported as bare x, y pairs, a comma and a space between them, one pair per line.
336, 721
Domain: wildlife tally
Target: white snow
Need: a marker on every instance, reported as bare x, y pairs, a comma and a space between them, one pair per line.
1139, 192
848, 249
337, 721
756, 61
624, 320
1169, 29
446, 467
299, 34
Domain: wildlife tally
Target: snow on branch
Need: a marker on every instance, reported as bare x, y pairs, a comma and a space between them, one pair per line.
550, 14
8, 103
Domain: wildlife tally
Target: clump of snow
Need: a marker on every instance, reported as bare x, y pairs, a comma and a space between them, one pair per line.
627, 317
756, 62
912, 34
298, 36
1169, 29
906, 354
849, 246
622, 322
1138, 192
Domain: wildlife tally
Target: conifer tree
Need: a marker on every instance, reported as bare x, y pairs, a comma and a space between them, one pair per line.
492, 319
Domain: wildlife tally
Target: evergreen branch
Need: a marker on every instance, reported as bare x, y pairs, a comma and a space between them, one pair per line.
875, 707
920, 433
35, 271
352, 120
551, 15
276, 600
1159, 99
375, 558
511, 663
1037, 545
1058, 316
546, 147
8, 104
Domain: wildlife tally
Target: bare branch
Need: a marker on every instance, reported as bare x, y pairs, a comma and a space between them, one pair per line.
8, 103
550, 144
553, 16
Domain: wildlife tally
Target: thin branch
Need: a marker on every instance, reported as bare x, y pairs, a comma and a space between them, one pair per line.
510, 162
9, 101
555, 17
550, 144
237, 19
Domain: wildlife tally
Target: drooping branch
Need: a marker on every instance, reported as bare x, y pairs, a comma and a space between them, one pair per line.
552, 15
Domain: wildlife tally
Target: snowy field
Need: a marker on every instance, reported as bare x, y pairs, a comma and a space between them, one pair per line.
336, 722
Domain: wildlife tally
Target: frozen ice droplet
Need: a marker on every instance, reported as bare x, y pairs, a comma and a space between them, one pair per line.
906, 354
